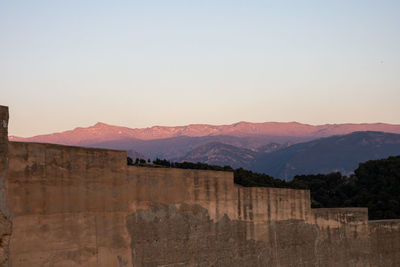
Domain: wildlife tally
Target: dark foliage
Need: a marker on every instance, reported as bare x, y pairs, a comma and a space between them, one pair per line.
378, 187
129, 160
190, 165
138, 161
327, 190
375, 185
249, 178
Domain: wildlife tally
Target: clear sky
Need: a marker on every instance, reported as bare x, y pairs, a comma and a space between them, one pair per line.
65, 64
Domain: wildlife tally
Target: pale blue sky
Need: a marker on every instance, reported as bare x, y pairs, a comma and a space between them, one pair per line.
142, 63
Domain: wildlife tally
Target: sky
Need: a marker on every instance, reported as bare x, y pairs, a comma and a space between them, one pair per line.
65, 64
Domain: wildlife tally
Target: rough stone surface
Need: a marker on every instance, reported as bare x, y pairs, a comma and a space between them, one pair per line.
73, 206
5, 224
385, 242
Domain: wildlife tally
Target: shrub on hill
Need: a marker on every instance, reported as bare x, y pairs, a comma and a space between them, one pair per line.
375, 185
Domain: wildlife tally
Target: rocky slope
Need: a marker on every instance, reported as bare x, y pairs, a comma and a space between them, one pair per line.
220, 154
217, 153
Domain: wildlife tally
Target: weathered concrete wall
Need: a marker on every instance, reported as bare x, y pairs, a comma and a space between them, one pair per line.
86, 207
385, 242
342, 238
69, 206
74, 206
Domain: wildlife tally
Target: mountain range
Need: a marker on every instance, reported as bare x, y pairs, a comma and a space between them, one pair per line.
340, 153
101, 132
279, 149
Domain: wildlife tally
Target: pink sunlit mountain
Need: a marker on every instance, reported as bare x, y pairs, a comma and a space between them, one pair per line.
101, 132
176, 142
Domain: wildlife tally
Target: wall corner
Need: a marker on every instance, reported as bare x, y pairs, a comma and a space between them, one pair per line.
5, 222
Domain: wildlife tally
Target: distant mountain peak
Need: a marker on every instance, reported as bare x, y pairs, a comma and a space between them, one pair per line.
102, 124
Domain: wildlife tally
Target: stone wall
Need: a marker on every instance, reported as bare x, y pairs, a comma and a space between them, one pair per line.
78, 206
5, 224
343, 238
384, 239
73, 206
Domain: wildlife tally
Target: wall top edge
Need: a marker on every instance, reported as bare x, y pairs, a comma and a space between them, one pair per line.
397, 221
226, 173
348, 209
267, 187
66, 146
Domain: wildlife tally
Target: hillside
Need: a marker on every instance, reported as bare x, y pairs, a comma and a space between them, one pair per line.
217, 153
220, 154
332, 154
178, 147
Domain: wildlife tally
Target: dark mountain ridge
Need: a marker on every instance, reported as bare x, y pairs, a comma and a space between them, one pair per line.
221, 154
178, 147
341, 153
